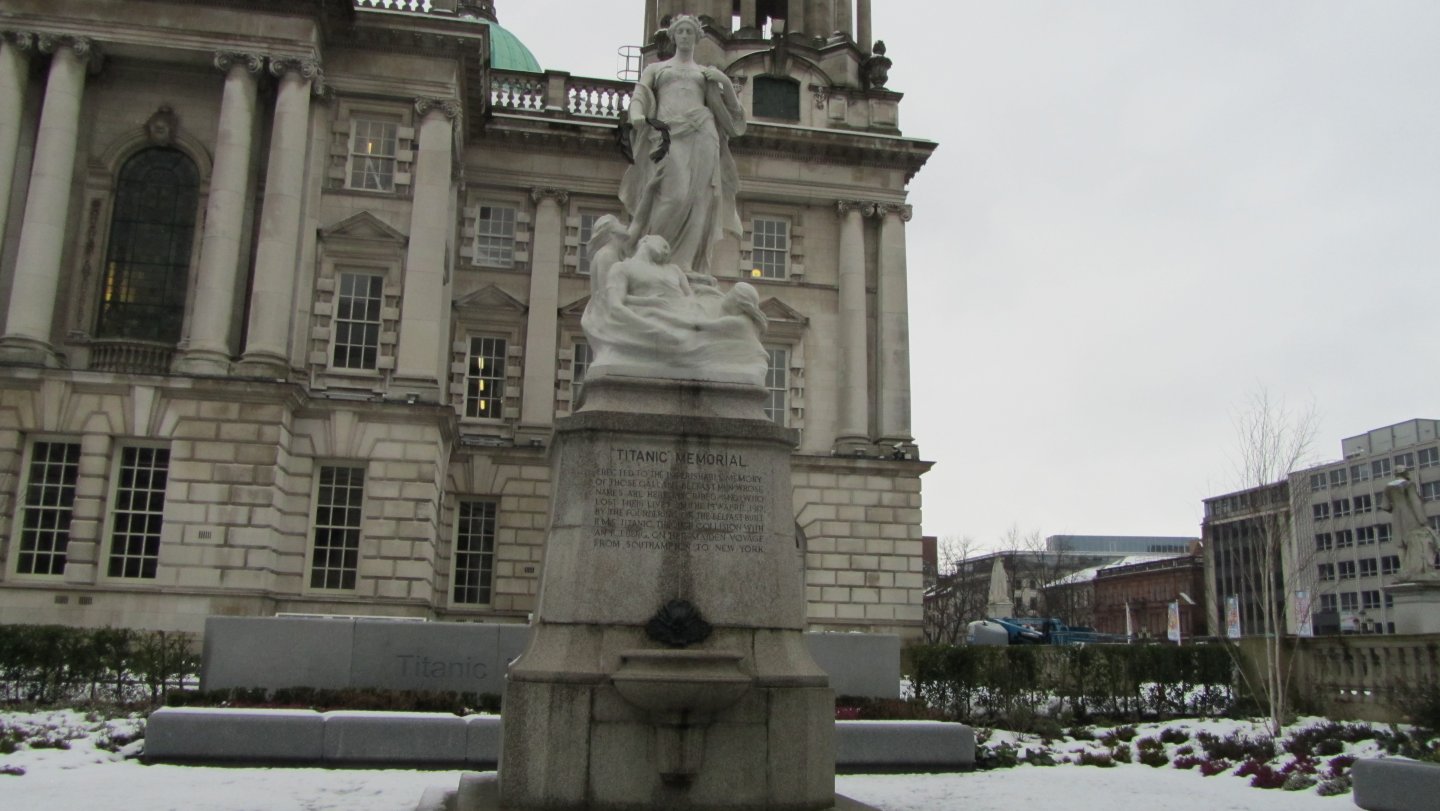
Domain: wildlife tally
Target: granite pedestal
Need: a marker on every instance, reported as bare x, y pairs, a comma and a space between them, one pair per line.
1416, 606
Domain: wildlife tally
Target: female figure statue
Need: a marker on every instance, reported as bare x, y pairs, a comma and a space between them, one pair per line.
684, 192
1417, 540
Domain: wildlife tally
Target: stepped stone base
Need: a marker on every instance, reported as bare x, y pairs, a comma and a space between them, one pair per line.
481, 792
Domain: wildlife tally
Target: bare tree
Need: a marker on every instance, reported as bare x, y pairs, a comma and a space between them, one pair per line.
950, 604
1256, 542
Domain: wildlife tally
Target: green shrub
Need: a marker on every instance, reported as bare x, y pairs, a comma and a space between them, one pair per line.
350, 698
50, 664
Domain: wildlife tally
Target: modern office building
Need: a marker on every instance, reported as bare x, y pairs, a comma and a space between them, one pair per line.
292, 295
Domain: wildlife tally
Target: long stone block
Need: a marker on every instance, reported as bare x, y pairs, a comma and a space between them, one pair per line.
216, 735
394, 738
903, 746
482, 741
275, 652
1390, 784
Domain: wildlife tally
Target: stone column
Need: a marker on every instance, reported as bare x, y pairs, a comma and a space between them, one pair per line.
424, 312
537, 405
845, 17
15, 50
47, 204
862, 26
208, 349
894, 330
272, 291
749, 14
854, 425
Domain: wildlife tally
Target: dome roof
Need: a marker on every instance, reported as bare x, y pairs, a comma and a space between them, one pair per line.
507, 52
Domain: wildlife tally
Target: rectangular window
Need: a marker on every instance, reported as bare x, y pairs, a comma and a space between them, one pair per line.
770, 247
1405, 460
1382, 533
1344, 539
1363, 504
1390, 564
1359, 473
1370, 599
587, 230
357, 321
1327, 602
45, 513
474, 552
1317, 482
1337, 477
777, 384
372, 154
139, 512
1429, 457
1369, 567
579, 366
495, 237
1430, 491
1320, 511
1349, 601
1340, 507
485, 379
338, 516
1325, 571
1323, 541
1346, 569
1364, 535
1380, 468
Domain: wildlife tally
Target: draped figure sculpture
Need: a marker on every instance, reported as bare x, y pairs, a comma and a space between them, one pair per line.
1418, 542
655, 310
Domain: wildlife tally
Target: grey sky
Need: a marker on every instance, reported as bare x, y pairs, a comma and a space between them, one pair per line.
1139, 212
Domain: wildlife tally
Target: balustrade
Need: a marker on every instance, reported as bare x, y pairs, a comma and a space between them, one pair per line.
130, 357
1361, 677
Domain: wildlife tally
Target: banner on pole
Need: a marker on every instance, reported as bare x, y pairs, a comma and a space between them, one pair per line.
1172, 628
1304, 622
1232, 617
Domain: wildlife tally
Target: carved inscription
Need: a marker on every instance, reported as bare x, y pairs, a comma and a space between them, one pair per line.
678, 499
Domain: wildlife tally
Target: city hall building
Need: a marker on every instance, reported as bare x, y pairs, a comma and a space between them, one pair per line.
292, 294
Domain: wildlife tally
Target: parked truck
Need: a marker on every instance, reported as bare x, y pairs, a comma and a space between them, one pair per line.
1034, 631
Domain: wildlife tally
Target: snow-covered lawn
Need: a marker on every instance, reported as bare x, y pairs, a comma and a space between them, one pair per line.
87, 777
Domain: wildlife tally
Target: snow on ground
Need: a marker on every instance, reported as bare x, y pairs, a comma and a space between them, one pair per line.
87, 776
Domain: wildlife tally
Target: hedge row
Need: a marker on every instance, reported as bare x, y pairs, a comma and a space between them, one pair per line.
49, 664
349, 698
1016, 684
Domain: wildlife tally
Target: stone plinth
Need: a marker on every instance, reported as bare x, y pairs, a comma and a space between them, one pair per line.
1417, 606
689, 504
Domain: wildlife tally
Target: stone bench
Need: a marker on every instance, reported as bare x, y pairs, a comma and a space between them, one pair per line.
439, 740
1391, 784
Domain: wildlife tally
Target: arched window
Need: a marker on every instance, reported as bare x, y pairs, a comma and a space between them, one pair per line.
142, 292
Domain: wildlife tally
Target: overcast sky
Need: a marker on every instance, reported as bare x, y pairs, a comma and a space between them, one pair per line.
1140, 212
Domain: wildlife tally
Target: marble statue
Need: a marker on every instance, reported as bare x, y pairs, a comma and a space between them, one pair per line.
684, 114
655, 310
646, 318
1418, 542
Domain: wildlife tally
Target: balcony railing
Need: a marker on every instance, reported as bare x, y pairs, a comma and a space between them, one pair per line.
481, 8
130, 357
556, 92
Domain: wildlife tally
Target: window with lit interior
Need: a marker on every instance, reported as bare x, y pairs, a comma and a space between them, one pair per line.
372, 154
485, 378
770, 247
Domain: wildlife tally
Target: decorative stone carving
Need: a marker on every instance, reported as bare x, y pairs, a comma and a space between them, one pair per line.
539, 193
876, 67
1418, 542
85, 48
162, 126
902, 210
308, 68
449, 106
678, 624
252, 62
649, 318
24, 40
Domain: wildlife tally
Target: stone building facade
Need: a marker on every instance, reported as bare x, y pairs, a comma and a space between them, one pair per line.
293, 296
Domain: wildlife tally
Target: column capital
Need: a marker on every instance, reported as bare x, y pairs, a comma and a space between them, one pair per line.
85, 48
252, 62
23, 40
864, 207
450, 107
539, 193
308, 68
901, 210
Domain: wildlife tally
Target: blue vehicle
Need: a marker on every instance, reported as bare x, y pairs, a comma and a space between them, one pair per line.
1034, 631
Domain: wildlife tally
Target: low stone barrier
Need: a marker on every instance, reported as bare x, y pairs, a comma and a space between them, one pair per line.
1390, 784
438, 740
463, 657
870, 747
